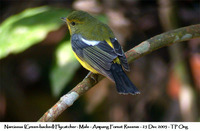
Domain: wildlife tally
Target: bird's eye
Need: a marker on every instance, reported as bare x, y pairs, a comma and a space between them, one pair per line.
73, 23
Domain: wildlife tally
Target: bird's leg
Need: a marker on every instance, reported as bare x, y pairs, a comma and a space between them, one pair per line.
91, 75
88, 75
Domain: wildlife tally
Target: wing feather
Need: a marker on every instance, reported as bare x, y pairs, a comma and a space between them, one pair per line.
100, 56
120, 53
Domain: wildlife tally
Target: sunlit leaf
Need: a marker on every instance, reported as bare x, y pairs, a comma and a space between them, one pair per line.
64, 69
27, 28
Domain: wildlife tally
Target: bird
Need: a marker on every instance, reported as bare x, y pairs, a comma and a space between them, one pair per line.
97, 49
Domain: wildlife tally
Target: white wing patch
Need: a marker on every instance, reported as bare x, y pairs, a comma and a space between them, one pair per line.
90, 42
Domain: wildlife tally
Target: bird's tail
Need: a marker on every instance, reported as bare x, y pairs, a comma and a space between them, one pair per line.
123, 83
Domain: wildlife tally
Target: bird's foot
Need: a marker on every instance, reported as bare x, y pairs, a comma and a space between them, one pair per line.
91, 75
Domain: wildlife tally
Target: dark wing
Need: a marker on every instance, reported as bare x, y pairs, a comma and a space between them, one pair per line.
99, 56
120, 53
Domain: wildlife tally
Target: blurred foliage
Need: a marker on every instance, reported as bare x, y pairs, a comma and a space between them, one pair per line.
30, 27
25, 29
64, 68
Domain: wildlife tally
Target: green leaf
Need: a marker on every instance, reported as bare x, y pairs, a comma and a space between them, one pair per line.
29, 27
64, 68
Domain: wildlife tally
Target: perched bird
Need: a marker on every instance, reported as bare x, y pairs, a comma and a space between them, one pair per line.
96, 48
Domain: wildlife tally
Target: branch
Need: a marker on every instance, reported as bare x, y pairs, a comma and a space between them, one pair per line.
154, 43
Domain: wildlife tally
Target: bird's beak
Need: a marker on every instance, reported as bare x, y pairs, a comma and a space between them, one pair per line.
63, 18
